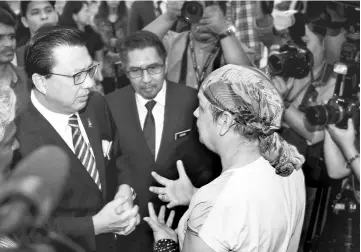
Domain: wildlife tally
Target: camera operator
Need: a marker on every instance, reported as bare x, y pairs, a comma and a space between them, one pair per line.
209, 44
342, 157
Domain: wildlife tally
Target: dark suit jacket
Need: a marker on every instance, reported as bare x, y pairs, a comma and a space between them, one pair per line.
137, 159
81, 199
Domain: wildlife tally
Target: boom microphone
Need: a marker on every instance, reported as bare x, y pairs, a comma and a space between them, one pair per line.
33, 190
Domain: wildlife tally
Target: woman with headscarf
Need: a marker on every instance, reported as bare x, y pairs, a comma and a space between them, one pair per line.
258, 201
8, 144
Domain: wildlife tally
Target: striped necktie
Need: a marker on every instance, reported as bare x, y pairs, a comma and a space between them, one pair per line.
82, 151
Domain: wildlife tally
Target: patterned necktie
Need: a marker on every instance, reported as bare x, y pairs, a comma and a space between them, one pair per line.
149, 127
82, 151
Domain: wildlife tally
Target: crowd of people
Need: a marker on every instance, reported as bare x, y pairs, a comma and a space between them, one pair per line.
178, 137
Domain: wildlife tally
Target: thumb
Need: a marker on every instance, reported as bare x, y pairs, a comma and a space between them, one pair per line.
118, 201
350, 125
181, 171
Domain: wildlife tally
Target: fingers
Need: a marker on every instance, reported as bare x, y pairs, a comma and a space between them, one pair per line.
161, 214
151, 211
161, 180
158, 190
152, 224
131, 226
181, 171
172, 204
129, 214
170, 219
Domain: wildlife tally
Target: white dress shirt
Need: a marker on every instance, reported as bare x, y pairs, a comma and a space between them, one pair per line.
158, 113
60, 123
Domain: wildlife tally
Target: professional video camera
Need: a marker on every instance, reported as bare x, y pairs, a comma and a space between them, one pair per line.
344, 104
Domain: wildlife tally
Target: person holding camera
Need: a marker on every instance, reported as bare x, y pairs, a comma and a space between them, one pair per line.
342, 151
210, 43
342, 158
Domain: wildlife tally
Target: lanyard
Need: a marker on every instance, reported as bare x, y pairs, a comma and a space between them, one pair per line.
200, 76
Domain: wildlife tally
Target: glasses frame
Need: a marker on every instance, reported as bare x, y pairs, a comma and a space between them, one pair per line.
96, 65
146, 69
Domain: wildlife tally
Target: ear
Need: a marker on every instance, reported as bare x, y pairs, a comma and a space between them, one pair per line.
40, 83
25, 22
75, 17
166, 64
225, 122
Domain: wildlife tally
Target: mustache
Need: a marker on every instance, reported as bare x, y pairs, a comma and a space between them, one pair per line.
7, 50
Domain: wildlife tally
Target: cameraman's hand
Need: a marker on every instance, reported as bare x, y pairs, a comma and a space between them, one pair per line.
214, 19
283, 87
174, 9
344, 138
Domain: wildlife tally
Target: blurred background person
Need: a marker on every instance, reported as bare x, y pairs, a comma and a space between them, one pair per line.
111, 24
210, 43
76, 14
143, 13
10, 75
35, 14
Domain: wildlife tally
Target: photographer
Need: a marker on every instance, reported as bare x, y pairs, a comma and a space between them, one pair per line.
342, 157
194, 54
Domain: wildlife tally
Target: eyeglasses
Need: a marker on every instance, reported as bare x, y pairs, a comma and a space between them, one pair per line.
152, 70
80, 77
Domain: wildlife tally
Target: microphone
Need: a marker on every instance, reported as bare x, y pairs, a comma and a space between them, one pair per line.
33, 190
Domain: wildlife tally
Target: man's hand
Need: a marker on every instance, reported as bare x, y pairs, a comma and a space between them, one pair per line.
174, 9
344, 138
108, 221
177, 192
161, 230
214, 20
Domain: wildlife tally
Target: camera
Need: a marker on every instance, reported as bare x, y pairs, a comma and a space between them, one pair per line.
343, 105
192, 11
290, 60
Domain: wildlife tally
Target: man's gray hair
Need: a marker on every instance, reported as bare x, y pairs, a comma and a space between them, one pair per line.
7, 108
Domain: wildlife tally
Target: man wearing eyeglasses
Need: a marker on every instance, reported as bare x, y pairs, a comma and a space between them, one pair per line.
155, 124
65, 112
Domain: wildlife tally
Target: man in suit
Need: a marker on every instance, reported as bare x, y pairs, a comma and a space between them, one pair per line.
156, 127
65, 112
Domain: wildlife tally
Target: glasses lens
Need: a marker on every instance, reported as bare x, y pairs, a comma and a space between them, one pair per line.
135, 73
79, 78
93, 70
155, 69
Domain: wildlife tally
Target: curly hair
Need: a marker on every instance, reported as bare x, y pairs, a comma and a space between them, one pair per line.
7, 108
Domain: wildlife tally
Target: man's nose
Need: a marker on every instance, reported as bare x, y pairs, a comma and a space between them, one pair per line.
146, 76
88, 82
44, 15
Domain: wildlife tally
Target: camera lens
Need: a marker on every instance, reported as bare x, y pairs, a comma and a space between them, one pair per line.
276, 64
192, 11
323, 115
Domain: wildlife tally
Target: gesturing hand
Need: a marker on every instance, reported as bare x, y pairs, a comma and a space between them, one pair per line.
177, 192
161, 230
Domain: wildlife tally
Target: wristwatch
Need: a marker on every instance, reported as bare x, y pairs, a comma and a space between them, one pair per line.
231, 30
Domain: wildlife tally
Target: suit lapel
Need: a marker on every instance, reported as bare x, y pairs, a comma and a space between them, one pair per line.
43, 133
93, 134
170, 122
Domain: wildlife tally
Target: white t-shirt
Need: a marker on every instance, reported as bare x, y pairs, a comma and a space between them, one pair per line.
248, 208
